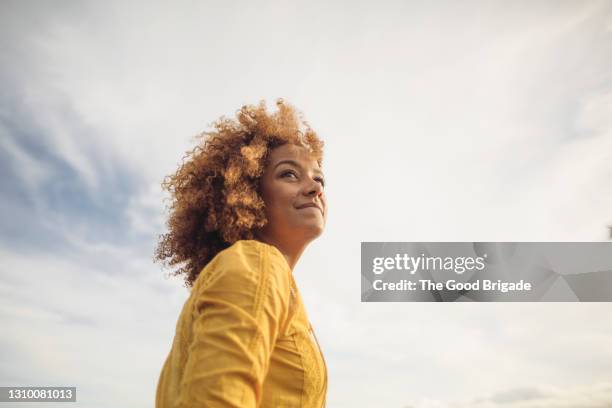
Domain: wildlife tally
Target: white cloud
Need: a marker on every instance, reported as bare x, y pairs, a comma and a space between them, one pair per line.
71, 324
597, 395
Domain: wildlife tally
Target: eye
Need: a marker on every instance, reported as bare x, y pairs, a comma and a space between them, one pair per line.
320, 180
287, 173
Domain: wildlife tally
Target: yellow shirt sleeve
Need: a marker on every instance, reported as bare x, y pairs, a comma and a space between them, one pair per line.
240, 307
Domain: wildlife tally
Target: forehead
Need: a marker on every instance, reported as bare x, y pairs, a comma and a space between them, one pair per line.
294, 153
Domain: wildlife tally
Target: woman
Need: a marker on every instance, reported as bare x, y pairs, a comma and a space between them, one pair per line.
244, 207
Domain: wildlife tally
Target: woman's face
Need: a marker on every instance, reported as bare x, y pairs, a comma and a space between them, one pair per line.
292, 189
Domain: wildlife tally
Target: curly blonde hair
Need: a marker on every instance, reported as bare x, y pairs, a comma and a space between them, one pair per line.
215, 199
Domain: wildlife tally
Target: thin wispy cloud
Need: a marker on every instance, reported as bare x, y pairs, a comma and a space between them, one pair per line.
593, 396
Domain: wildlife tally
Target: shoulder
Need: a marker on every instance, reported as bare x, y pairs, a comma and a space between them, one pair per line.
251, 254
244, 262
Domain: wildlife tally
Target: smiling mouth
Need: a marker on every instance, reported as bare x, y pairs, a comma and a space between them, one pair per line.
309, 207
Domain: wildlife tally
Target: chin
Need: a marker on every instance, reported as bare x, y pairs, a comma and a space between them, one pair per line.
312, 232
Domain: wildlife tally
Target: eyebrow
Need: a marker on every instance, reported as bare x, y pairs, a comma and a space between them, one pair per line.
296, 164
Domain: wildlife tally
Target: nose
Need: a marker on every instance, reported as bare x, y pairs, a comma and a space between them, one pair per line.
314, 189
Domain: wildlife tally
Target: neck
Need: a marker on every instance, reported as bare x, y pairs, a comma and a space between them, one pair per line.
291, 250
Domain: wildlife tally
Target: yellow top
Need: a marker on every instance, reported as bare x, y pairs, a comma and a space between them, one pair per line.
243, 338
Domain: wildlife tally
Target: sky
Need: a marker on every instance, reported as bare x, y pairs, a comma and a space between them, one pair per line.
442, 121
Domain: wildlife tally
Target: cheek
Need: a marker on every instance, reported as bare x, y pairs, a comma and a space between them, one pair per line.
279, 204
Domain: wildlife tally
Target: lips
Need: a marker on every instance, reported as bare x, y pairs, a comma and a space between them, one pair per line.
310, 205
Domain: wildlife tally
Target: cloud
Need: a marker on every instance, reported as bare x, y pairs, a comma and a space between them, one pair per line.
68, 323
598, 395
